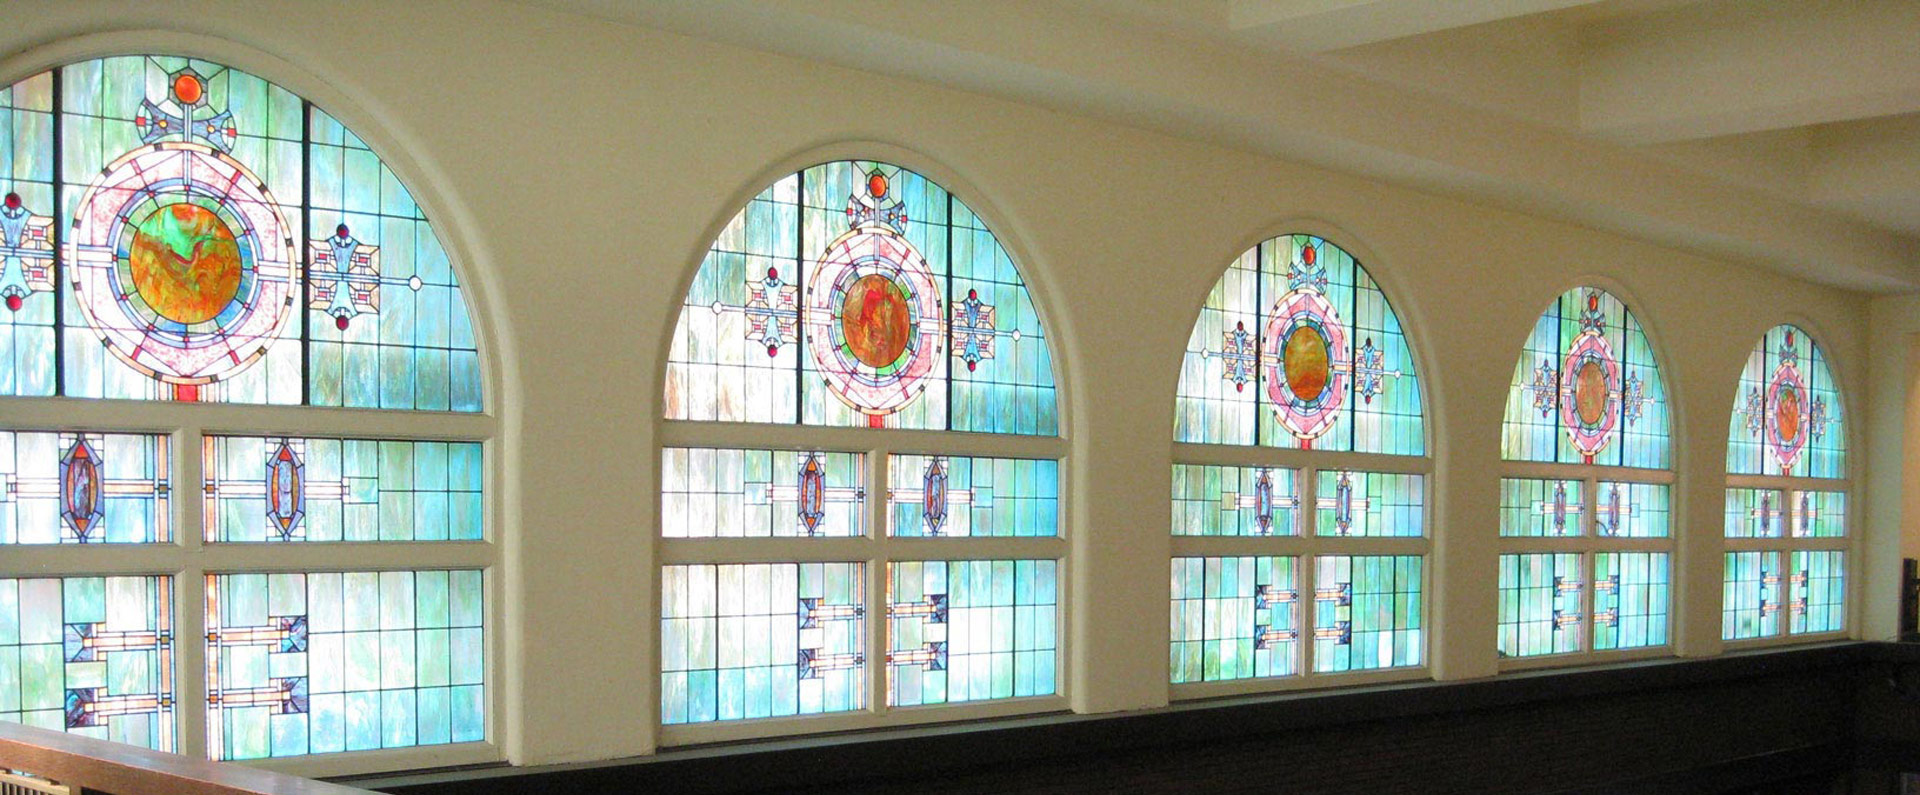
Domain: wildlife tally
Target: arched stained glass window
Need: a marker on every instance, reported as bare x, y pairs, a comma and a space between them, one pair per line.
886, 570
1584, 505
178, 230
1786, 494
1297, 352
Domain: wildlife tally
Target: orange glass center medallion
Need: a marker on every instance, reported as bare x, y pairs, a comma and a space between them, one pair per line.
1590, 393
185, 263
874, 320
1305, 362
1786, 414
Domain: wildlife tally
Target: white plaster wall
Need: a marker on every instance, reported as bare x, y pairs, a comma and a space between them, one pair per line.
577, 170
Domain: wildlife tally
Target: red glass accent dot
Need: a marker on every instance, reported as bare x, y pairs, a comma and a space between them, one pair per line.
342, 231
13, 203
877, 184
971, 366
973, 294
1308, 255
340, 321
1593, 301
773, 273
14, 303
187, 88
773, 350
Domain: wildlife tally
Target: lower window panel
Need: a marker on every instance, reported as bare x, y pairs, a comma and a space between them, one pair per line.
1819, 591
91, 656
1540, 604
761, 640
1366, 612
1234, 618
1630, 596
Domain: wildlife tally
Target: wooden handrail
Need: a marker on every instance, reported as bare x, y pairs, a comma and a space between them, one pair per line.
123, 769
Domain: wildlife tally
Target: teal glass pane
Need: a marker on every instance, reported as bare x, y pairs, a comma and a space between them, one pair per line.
90, 656
1750, 601
1586, 388
1787, 416
1234, 501
1234, 618
1297, 347
1540, 508
1370, 504
84, 488
1630, 600
1541, 604
859, 293
1756, 513
313, 663
958, 496
714, 493
28, 273
279, 488
1819, 591
1366, 612
1819, 514
1631, 510
970, 630
761, 640
390, 326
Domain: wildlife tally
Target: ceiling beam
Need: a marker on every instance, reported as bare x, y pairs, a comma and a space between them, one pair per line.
1327, 25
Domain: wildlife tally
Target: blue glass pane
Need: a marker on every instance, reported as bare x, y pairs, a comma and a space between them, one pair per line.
91, 656
1234, 501
1542, 601
84, 488
1586, 388
970, 630
761, 640
1234, 618
713, 493
960, 496
304, 489
1367, 612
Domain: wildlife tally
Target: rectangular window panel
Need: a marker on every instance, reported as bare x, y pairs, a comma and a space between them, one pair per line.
27, 272
1820, 514
958, 496
970, 630
1630, 510
1819, 591
761, 640
1540, 508
295, 489
1541, 604
1629, 600
1234, 618
313, 663
1366, 612
1370, 504
90, 655
1234, 501
1750, 603
713, 493
1756, 513
84, 488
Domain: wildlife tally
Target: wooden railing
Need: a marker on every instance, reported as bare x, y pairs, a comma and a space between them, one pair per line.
85, 763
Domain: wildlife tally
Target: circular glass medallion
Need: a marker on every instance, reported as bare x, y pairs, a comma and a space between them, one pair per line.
876, 320
1305, 363
1590, 392
186, 264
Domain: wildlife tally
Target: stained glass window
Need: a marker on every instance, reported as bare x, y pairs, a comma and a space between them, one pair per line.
707, 493
326, 662
1531, 507
861, 293
933, 496
1587, 389
1542, 608
1820, 514
297, 489
1366, 612
1234, 618
1370, 504
1756, 513
1297, 347
761, 640
965, 630
1819, 591
84, 488
1787, 416
1630, 510
199, 206
1750, 604
90, 655
1234, 501
1630, 599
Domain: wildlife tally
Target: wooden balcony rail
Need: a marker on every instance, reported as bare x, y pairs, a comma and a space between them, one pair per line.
118, 769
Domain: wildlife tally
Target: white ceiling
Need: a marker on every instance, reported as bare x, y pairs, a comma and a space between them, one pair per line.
1780, 132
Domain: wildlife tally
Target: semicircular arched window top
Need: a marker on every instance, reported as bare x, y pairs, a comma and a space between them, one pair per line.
1787, 415
1587, 389
1297, 347
176, 229
859, 293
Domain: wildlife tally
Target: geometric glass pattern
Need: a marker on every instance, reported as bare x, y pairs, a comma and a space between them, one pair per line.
1787, 414
1234, 501
859, 293
1234, 618
1819, 591
1819, 514
968, 630
1630, 510
712, 493
91, 656
1297, 347
1756, 513
1366, 612
957, 496
1752, 596
1370, 504
311, 663
1536, 508
761, 640
1540, 604
84, 488
1586, 389
305, 489
222, 240
1630, 592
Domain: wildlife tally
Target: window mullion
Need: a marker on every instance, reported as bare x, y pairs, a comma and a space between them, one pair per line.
879, 674
188, 508
1306, 584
